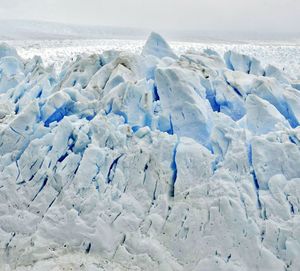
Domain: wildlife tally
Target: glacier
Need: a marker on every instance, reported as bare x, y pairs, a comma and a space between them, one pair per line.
150, 161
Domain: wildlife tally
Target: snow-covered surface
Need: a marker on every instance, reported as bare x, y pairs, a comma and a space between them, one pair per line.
148, 159
283, 55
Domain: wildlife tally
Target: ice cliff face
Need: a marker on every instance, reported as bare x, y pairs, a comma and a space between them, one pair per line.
149, 162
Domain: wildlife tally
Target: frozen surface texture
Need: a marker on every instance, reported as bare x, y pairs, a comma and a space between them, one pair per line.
150, 161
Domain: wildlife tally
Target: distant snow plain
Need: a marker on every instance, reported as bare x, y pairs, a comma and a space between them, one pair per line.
284, 55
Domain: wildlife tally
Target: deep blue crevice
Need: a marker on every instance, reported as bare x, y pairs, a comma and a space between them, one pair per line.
249, 66
73, 141
283, 107
227, 61
234, 113
33, 164
63, 157
122, 114
255, 180
94, 180
19, 172
148, 120
155, 94
112, 169
39, 116
39, 94
145, 170
256, 184
292, 208
135, 128
51, 203
76, 169
59, 114
235, 89
87, 251
41, 188
228, 258
154, 192
32, 176
109, 144
250, 155
109, 109
52, 81
90, 117
293, 139
289, 115
7, 245
211, 97
44, 184
216, 162
17, 109
291, 205
15, 131
174, 174
171, 130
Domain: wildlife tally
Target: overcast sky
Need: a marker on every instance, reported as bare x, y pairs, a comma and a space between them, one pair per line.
219, 15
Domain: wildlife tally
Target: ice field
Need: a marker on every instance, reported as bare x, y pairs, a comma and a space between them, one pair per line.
285, 55
137, 155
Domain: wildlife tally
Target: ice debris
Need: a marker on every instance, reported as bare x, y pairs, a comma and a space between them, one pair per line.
149, 162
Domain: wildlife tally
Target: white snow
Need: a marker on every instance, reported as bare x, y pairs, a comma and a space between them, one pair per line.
148, 160
283, 55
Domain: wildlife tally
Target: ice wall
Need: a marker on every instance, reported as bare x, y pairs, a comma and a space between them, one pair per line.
148, 162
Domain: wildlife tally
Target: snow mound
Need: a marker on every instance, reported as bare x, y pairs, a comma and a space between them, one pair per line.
124, 161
